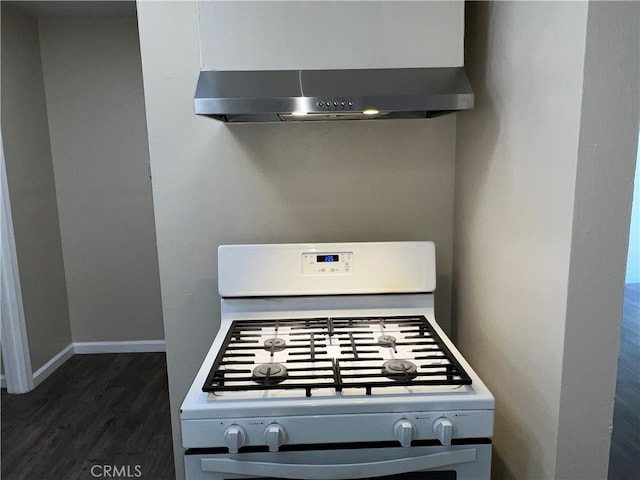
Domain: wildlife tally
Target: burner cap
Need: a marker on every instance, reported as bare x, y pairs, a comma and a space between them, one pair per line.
270, 373
275, 344
399, 369
387, 341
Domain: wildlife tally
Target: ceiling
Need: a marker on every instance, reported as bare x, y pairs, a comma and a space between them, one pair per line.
77, 8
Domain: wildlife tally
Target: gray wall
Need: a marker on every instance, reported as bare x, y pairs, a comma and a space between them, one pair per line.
215, 183
543, 184
306, 35
95, 104
31, 187
602, 209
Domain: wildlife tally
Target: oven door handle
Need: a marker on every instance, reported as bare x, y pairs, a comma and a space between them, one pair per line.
338, 471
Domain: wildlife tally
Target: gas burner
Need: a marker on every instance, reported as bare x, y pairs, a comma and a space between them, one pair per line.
398, 369
387, 341
275, 344
269, 373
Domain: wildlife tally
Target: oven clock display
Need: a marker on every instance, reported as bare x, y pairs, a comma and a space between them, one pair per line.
327, 258
339, 263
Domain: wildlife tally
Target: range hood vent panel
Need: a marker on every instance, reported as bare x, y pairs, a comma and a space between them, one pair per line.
298, 95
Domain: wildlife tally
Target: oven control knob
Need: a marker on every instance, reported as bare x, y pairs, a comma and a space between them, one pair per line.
404, 432
443, 430
274, 436
234, 438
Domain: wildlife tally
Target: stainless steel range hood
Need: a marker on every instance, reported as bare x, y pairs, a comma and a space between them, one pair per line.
360, 94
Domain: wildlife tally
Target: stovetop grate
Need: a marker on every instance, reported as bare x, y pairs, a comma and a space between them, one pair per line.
336, 353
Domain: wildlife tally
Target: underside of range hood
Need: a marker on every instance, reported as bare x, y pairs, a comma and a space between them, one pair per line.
304, 95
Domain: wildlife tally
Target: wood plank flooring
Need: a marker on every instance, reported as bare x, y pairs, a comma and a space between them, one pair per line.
624, 459
96, 410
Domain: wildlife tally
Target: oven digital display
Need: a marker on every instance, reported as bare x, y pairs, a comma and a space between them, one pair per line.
327, 258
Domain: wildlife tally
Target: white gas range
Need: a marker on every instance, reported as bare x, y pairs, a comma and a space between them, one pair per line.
329, 364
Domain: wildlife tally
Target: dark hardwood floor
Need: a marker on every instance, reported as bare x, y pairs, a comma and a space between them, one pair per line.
624, 460
97, 414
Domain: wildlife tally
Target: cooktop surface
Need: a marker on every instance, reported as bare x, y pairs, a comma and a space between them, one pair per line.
314, 355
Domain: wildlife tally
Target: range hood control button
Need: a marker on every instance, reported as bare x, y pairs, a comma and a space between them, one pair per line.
274, 436
234, 438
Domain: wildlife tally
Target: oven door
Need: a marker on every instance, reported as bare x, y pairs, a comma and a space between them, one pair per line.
460, 462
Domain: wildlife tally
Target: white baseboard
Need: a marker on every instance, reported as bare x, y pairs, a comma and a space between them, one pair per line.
52, 365
119, 347
81, 348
